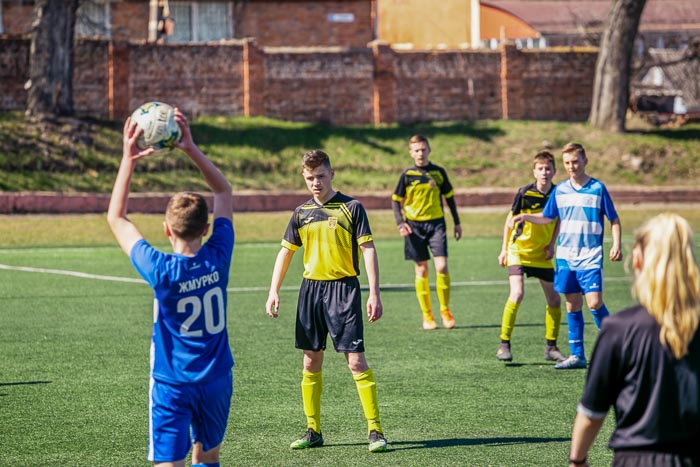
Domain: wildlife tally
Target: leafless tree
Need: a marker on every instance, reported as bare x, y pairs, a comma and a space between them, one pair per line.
613, 68
50, 87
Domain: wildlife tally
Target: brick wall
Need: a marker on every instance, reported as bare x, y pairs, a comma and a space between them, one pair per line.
200, 79
449, 85
339, 86
129, 20
333, 87
538, 85
304, 23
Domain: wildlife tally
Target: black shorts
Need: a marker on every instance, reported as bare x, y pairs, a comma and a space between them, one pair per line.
330, 307
624, 458
425, 234
546, 274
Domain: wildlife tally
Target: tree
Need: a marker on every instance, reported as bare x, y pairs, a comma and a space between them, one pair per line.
50, 85
612, 74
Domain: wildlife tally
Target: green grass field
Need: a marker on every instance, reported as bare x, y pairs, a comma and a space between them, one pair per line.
74, 370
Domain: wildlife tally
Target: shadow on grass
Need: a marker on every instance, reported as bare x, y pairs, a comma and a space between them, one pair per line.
25, 383
275, 139
456, 442
681, 134
22, 383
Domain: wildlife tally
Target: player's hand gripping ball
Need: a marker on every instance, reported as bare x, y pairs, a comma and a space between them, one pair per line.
157, 120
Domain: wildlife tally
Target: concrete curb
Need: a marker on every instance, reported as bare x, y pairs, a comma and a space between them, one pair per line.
76, 203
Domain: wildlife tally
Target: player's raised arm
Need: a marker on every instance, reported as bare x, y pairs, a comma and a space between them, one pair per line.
284, 257
124, 231
223, 198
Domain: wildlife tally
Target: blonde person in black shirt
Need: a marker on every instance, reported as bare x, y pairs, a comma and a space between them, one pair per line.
646, 361
417, 204
333, 230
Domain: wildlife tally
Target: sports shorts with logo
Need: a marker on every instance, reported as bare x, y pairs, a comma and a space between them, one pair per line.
175, 409
425, 234
330, 308
588, 280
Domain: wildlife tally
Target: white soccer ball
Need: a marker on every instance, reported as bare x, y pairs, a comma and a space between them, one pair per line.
157, 120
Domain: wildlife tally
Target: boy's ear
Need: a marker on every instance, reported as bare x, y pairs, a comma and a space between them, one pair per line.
166, 230
206, 230
637, 258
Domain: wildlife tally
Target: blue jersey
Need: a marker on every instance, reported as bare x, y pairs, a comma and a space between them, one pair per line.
189, 343
580, 241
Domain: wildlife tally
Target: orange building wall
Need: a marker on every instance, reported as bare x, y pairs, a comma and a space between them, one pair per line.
425, 24
497, 24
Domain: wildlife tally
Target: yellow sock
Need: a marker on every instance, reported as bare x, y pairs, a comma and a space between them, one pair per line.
510, 311
367, 390
442, 286
552, 322
423, 295
311, 389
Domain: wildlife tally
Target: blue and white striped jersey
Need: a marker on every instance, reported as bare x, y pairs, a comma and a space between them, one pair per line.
189, 343
581, 213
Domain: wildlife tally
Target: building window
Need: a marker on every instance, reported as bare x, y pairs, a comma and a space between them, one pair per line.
201, 21
93, 19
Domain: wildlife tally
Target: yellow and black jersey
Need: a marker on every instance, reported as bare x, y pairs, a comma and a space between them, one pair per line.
421, 189
527, 240
331, 235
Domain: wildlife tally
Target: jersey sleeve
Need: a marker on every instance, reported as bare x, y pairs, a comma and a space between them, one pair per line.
608, 206
446, 188
363, 233
517, 202
292, 239
603, 381
148, 262
222, 239
551, 211
400, 191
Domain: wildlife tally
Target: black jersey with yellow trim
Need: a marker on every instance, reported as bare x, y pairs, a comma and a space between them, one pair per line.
421, 189
330, 235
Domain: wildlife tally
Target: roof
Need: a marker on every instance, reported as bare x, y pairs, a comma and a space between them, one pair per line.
574, 16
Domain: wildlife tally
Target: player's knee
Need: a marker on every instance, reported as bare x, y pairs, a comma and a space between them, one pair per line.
516, 296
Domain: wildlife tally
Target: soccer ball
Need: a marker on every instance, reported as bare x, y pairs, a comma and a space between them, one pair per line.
157, 120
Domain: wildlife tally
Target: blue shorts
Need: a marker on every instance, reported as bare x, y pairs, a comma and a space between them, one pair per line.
174, 409
568, 281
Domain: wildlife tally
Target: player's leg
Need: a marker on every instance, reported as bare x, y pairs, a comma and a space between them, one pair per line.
422, 285
367, 391
347, 332
592, 285
209, 420
416, 250
510, 311
552, 321
311, 332
565, 282
169, 424
437, 240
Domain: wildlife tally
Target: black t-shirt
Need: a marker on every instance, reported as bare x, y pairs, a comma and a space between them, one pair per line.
656, 398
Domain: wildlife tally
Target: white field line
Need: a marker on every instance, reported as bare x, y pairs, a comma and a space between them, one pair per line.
84, 275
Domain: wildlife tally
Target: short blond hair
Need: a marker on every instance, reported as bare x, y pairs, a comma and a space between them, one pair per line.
668, 283
574, 148
187, 215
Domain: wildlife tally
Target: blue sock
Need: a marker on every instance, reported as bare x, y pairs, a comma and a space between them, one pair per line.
575, 321
600, 314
